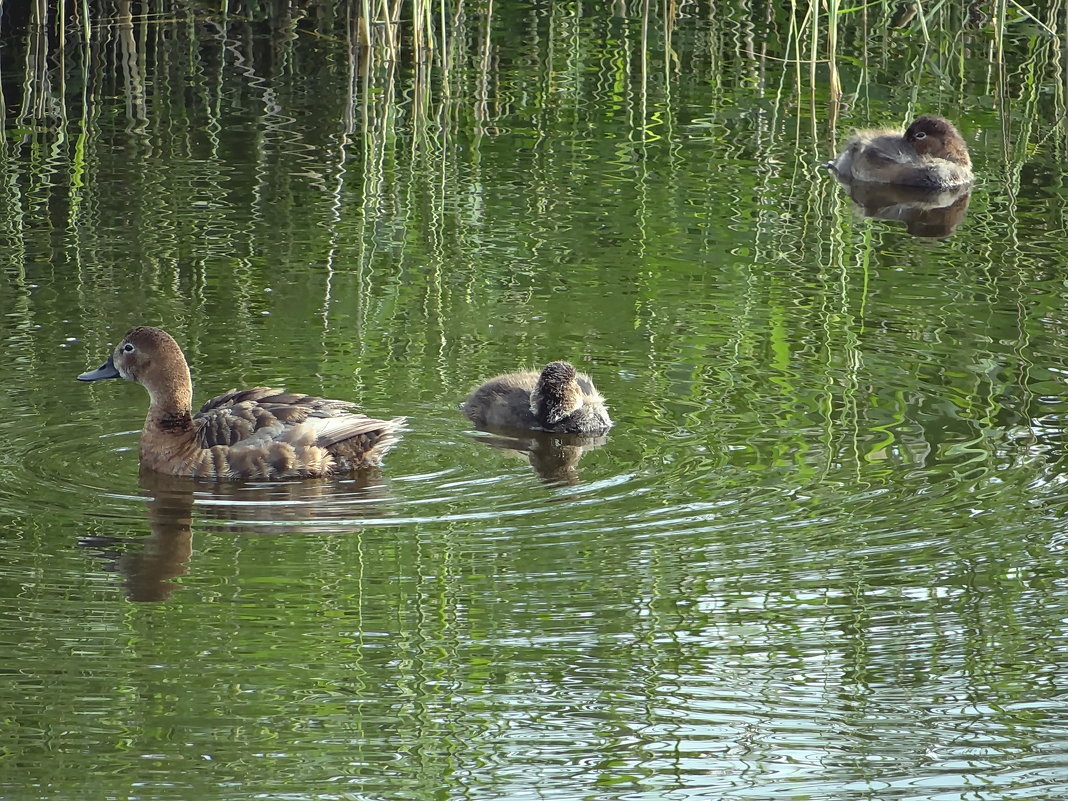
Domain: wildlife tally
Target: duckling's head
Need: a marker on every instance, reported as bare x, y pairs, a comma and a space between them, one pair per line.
931, 135
556, 395
152, 358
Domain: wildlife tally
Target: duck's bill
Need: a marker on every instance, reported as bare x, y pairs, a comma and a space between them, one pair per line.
106, 370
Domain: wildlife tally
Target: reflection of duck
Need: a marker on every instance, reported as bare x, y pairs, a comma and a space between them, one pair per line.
559, 399
257, 433
554, 457
149, 564
930, 154
925, 212
305, 506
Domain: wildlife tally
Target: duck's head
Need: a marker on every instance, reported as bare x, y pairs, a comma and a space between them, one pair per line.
152, 358
931, 135
556, 395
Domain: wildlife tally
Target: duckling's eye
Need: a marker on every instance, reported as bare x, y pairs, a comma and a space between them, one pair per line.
920, 135
128, 348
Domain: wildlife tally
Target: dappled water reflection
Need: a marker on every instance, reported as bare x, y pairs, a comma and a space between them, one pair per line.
820, 555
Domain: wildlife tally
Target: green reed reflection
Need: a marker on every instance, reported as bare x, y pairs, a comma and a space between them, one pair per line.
413, 105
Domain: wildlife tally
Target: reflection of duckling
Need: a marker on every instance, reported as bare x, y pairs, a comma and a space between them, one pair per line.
931, 154
554, 457
242, 434
559, 399
925, 212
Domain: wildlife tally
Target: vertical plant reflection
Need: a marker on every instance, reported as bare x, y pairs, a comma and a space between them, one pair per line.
411, 100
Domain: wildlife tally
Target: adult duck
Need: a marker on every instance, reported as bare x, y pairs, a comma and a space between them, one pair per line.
257, 433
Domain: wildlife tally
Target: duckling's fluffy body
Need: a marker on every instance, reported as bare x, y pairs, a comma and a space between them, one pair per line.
558, 399
258, 433
930, 154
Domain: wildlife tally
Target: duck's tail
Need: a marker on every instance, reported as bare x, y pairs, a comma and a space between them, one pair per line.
367, 446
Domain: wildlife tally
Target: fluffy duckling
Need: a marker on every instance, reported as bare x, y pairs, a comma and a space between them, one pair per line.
558, 399
931, 154
257, 433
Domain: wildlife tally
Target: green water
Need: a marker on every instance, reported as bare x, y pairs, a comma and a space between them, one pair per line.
820, 556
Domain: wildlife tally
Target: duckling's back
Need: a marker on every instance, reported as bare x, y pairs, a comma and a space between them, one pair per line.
875, 156
503, 402
558, 399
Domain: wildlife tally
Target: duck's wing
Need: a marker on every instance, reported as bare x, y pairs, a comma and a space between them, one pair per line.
227, 399
266, 396
332, 430
262, 413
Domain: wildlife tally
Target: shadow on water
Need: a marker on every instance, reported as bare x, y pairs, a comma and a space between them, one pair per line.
149, 564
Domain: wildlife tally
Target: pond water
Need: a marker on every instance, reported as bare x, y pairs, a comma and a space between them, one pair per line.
821, 555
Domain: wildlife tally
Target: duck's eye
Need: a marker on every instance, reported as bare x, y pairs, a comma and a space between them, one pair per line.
128, 348
920, 135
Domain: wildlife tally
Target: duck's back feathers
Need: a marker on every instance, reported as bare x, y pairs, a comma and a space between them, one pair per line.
261, 414
241, 414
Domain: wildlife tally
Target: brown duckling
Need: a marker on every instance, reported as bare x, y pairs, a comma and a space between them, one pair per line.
257, 433
557, 399
930, 154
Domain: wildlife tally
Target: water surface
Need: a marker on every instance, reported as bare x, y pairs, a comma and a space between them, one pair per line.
821, 554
